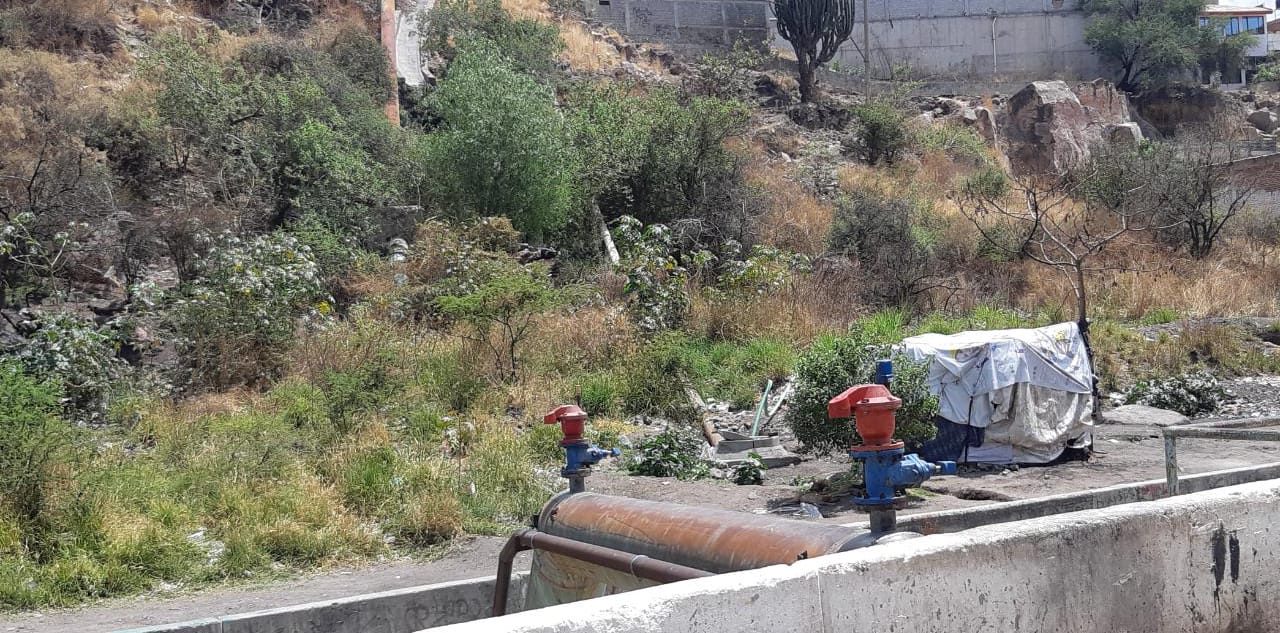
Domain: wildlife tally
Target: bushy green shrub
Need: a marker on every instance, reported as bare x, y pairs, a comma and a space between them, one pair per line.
660, 156
529, 45
836, 362
77, 355
749, 472
675, 452
32, 441
882, 131
503, 308
236, 319
1189, 394
656, 294
896, 242
501, 149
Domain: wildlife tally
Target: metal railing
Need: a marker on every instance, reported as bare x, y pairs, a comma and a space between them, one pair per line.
1250, 429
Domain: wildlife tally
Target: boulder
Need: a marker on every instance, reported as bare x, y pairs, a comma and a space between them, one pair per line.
1264, 120
1049, 128
1176, 105
982, 122
1142, 415
1124, 134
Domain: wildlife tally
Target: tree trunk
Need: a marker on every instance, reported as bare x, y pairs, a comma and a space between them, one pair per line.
1082, 322
808, 92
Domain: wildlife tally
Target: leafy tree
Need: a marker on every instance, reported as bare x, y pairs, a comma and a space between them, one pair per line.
505, 303
502, 149
816, 29
1153, 41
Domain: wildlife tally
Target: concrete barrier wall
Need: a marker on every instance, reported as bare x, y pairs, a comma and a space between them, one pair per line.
991, 40
399, 611
1203, 563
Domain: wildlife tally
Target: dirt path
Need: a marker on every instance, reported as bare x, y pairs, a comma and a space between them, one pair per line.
469, 559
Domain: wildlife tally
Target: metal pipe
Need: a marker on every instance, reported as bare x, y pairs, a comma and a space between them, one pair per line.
637, 565
502, 582
1235, 429
1223, 434
714, 540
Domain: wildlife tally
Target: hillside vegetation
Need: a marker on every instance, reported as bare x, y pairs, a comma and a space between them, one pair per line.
252, 327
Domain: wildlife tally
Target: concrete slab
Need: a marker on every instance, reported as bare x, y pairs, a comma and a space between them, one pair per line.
776, 598
1197, 562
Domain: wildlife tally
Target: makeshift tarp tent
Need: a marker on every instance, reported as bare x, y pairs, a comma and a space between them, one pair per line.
1007, 396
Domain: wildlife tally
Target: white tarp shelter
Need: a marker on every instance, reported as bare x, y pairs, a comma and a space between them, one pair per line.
1030, 390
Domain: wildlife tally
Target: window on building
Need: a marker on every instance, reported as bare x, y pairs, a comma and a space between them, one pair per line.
1236, 25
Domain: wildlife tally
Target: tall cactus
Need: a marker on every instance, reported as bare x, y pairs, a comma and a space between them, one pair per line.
815, 28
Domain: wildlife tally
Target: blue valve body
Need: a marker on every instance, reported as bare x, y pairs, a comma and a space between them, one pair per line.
581, 455
887, 471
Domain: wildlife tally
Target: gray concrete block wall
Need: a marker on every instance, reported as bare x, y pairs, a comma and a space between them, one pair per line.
939, 39
1204, 562
689, 25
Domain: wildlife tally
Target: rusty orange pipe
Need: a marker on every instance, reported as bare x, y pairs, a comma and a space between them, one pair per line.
717, 541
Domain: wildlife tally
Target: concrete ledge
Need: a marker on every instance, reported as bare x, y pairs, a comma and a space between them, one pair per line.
1203, 562
398, 611
947, 521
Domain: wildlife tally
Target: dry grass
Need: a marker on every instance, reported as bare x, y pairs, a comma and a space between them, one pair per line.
794, 219
1145, 278
585, 52
152, 18
528, 9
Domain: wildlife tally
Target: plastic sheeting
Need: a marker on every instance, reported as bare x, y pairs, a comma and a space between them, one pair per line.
1030, 391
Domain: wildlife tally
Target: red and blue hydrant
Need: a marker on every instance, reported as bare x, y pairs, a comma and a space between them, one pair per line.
886, 466
579, 454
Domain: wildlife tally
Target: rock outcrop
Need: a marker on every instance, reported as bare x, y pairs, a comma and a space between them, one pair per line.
1265, 120
1048, 127
1177, 105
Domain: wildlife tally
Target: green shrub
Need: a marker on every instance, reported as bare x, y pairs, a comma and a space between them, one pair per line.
529, 45
882, 131
501, 149
1161, 316
362, 388
77, 355
599, 394
1189, 394
954, 140
660, 157
836, 362
750, 472
370, 479
675, 452
239, 316
33, 440
656, 292
507, 490
503, 308
896, 242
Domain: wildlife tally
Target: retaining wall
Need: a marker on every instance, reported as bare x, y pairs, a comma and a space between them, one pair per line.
990, 40
399, 611
1203, 563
